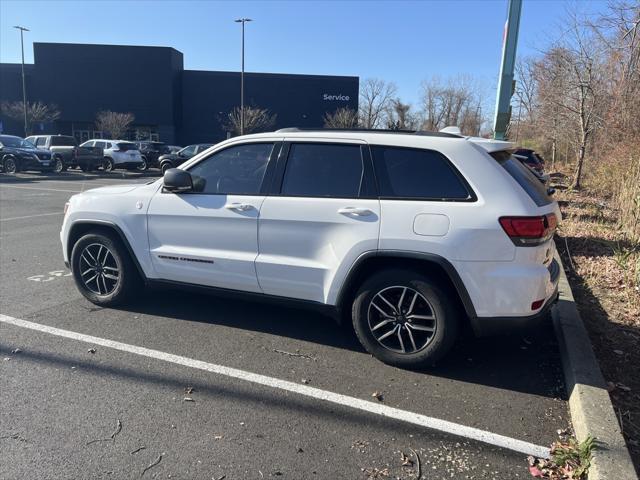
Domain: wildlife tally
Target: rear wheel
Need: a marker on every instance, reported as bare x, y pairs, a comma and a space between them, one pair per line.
143, 166
107, 164
9, 165
103, 270
58, 164
404, 319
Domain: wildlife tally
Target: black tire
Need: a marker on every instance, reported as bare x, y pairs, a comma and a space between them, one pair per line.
430, 346
165, 166
107, 164
143, 166
9, 165
116, 263
58, 164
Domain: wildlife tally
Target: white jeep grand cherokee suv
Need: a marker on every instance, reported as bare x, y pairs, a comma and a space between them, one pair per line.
411, 235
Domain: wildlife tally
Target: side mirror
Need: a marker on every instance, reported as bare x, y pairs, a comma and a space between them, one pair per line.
551, 191
177, 181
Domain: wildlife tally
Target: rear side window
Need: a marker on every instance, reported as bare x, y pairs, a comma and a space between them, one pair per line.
521, 174
41, 142
62, 141
323, 170
412, 173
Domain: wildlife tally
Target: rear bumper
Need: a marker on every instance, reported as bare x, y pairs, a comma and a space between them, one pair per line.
488, 326
128, 164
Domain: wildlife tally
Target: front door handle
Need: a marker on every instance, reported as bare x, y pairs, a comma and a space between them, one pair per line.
240, 207
357, 211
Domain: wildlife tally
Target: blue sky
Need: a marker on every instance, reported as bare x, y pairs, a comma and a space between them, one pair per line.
402, 41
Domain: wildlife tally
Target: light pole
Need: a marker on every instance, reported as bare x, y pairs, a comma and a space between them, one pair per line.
24, 85
242, 21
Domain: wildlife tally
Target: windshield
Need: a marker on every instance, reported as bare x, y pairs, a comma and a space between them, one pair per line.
15, 142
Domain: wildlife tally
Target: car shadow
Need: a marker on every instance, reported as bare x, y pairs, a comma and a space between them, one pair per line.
527, 362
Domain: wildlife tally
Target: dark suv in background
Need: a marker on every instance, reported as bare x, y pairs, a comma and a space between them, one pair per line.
531, 159
172, 160
17, 154
151, 152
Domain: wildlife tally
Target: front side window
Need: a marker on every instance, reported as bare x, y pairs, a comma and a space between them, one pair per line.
323, 170
415, 173
87, 144
236, 170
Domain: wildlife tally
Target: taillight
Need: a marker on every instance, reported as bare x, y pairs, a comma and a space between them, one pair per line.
529, 231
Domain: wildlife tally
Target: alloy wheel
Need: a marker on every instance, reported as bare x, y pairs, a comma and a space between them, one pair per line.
58, 165
98, 269
10, 166
401, 319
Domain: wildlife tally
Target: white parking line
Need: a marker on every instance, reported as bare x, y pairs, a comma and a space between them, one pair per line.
312, 392
31, 216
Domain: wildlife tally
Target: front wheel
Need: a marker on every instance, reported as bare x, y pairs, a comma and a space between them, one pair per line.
9, 165
165, 166
103, 270
404, 319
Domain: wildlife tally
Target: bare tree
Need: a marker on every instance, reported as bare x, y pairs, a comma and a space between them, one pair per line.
400, 116
255, 120
37, 112
376, 96
115, 123
571, 78
342, 118
455, 102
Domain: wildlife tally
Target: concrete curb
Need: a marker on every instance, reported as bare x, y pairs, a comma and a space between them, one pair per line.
589, 403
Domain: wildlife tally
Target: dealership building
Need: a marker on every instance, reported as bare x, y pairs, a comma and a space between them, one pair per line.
170, 104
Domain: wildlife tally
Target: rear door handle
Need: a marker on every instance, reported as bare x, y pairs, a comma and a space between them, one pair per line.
241, 207
357, 211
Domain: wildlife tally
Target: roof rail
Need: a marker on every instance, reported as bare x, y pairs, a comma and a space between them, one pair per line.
370, 130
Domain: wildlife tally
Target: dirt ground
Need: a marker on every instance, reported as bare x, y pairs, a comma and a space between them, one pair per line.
603, 267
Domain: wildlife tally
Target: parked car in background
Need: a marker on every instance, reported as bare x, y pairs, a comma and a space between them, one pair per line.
173, 148
121, 154
151, 152
531, 159
172, 160
412, 237
17, 155
66, 153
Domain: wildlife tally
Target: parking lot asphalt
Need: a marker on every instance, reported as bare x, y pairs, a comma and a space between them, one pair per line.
69, 412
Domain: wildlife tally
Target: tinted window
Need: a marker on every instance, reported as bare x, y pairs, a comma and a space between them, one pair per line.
323, 170
527, 180
235, 170
41, 142
101, 144
126, 146
416, 173
189, 151
62, 141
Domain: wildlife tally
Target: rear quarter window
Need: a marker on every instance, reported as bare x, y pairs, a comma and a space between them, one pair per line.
521, 174
62, 141
412, 173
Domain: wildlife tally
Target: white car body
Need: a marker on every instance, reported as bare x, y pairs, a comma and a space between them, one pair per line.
305, 248
121, 159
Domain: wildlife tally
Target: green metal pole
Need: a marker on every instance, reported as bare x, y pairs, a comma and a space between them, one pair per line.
506, 84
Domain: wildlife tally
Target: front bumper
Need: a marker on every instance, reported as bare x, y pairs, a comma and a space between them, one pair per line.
26, 163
